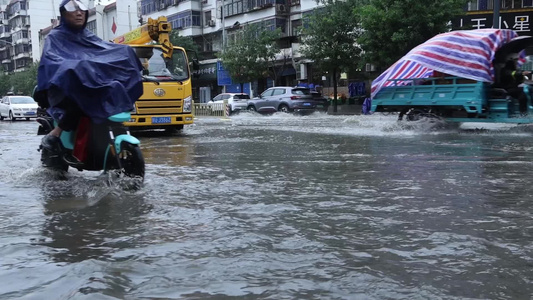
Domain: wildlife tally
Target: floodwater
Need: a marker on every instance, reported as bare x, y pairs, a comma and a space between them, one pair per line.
278, 207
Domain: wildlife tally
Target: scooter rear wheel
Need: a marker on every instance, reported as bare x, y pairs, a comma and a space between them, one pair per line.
132, 160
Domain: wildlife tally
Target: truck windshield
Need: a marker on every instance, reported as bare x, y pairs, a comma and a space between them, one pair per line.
155, 65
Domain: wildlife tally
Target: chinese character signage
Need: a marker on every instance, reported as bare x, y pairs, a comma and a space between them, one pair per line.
206, 72
517, 21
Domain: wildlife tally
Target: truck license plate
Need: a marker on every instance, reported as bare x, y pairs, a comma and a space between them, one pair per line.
160, 120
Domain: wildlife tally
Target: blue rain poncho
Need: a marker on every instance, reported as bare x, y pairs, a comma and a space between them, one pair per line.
103, 78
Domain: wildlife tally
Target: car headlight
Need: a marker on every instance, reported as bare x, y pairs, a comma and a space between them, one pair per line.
17, 109
187, 104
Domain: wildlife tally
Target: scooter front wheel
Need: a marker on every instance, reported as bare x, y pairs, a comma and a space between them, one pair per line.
53, 161
132, 160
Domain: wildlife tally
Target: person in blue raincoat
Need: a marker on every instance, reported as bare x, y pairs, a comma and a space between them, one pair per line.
80, 74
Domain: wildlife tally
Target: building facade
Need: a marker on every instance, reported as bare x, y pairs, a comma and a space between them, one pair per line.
213, 23
513, 14
25, 23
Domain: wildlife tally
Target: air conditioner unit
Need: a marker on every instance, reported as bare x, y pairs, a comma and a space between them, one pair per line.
281, 8
211, 23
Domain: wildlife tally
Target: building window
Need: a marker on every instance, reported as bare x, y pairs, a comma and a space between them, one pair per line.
295, 27
91, 26
207, 18
233, 7
148, 6
480, 5
527, 3
185, 19
260, 3
510, 4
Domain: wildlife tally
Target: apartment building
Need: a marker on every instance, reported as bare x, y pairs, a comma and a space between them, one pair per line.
25, 23
15, 41
212, 22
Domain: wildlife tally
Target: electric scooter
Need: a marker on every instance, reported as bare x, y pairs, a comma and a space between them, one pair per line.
99, 147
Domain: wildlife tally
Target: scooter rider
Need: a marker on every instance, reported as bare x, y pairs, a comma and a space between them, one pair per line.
511, 78
81, 74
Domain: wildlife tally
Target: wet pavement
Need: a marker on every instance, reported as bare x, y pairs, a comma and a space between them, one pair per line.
277, 207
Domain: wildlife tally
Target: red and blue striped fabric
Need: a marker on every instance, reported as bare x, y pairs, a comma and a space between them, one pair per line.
463, 53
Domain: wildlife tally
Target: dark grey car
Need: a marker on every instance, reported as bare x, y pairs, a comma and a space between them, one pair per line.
287, 99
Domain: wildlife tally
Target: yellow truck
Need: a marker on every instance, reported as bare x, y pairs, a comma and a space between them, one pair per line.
167, 99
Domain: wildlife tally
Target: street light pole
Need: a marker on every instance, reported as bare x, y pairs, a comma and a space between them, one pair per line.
496, 14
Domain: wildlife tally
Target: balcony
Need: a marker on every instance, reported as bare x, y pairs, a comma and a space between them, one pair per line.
21, 41
22, 55
18, 14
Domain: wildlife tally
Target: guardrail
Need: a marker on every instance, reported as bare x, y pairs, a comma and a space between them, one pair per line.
211, 109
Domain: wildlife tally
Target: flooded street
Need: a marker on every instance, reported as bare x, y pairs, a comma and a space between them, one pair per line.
278, 207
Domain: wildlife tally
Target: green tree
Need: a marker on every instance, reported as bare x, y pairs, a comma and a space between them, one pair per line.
329, 39
252, 54
24, 82
5, 84
394, 27
19, 82
185, 42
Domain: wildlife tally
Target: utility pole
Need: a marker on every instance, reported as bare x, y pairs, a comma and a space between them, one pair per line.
223, 34
223, 26
496, 14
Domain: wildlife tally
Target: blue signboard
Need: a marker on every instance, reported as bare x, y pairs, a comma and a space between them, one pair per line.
223, 77
236, 88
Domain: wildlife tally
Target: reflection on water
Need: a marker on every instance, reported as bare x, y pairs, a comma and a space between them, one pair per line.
278, 207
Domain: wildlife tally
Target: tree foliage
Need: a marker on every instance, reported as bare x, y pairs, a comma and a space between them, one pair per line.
185, 42
19, 82
330, 34
248, 58
393, 27
329, 38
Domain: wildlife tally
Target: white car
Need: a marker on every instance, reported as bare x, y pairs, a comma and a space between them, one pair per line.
14, 107
237, 101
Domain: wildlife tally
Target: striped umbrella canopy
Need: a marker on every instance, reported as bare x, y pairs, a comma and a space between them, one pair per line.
464, 53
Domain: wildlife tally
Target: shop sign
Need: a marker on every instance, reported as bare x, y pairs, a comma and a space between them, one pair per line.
206, 72
517, 21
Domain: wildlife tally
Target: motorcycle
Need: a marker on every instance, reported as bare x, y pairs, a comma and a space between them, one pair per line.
99, 147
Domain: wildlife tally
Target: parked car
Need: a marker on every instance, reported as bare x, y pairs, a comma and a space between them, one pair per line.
237, 102
14, 107
288, 99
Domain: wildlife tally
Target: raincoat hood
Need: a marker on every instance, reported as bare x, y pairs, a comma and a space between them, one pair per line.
62, 9
103, 78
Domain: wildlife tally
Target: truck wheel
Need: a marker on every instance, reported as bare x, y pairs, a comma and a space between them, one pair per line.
419, 114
